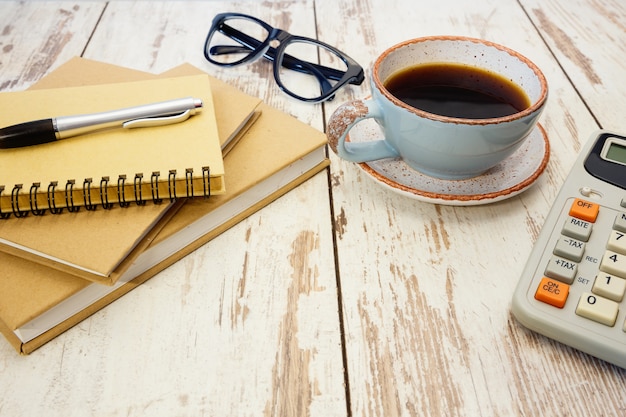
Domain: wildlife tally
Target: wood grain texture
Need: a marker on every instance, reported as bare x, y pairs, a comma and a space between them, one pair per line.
426, 289
589, 40
249, 324
36, 38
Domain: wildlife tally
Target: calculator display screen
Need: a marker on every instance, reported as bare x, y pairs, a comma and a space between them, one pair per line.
616, 153
607, 159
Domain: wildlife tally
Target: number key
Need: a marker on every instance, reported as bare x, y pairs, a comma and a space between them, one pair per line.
609, 286
597, 309
617, 242
613, 263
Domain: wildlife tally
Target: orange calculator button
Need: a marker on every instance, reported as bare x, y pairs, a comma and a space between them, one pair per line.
584, 210
552, 292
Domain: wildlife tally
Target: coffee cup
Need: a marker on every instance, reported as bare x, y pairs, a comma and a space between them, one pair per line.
451, 107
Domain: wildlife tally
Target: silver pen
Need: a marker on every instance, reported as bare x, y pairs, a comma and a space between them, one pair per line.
49, 130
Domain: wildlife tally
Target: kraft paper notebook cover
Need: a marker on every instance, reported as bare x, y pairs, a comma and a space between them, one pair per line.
234, 111
37, 303
95, 245
113, 165
69, 242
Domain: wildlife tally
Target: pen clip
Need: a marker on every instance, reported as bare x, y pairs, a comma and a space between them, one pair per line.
158, 120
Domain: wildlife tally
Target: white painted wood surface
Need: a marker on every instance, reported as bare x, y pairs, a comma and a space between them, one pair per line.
341, 298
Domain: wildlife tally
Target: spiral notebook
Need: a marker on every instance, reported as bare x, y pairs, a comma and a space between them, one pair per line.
115, 166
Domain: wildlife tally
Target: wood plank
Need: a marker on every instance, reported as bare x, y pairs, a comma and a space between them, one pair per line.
589, 40
37, 37
426, 289
248, 324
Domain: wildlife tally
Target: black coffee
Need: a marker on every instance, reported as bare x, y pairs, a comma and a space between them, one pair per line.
457, 91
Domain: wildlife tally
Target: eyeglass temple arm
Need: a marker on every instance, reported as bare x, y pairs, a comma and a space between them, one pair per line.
289, 61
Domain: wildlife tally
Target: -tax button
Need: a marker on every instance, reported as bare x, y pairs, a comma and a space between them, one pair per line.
569, 248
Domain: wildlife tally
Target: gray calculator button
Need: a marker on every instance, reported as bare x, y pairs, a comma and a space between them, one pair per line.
569, 248
576, 228
620, 222
562, 269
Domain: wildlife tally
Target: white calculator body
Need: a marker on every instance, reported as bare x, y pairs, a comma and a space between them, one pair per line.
572, 288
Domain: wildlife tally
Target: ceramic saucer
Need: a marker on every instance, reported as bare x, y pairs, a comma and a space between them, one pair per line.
507, 179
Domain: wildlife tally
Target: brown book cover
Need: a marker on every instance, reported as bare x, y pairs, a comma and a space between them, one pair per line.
69, 242
38, 303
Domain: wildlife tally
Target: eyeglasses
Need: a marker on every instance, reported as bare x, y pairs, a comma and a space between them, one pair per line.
236, 38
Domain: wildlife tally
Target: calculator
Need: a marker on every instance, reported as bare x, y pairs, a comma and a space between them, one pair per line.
572, 287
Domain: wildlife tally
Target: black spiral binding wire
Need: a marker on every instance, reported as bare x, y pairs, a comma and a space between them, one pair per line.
137, 185
32, 198
154, 186
171, 184
87, 194
51, 193
15, 204
69, 197
52, 204
206, 181
104, 193
189, 182
121, 191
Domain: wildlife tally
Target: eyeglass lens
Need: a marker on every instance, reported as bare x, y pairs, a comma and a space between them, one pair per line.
308, 81
235, 40
300, 71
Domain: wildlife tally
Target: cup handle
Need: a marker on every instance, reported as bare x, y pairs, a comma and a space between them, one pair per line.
347, 116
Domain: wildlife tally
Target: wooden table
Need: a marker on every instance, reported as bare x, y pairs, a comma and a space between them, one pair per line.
341, 298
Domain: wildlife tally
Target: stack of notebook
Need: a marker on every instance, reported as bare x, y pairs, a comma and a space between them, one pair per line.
118, 223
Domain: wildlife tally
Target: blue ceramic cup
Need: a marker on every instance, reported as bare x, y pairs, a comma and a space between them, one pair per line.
437, 145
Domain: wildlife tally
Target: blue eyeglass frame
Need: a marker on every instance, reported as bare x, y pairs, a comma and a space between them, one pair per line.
256, 49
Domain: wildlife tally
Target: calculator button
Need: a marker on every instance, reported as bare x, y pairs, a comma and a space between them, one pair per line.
570, 248
576, 228
584, 210
620, 222
597, 309
613, 263
552, 292
561, 269
617, 242
609, 286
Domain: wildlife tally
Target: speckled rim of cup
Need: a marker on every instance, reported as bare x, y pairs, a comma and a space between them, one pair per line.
536, 105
